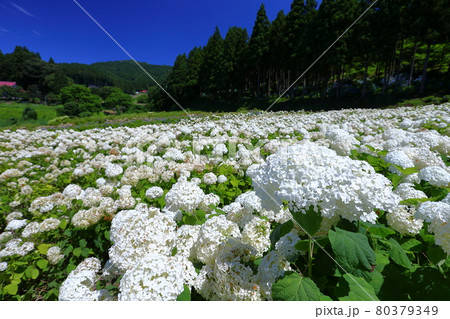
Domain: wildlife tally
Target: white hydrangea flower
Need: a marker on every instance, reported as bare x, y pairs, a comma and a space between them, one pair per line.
407, 191
185, 196
154, 277
54, 255
212, 233
438, 215
31, 229
154, 192
219, 149
399, 158
13, 215
16, 224
272, 266
209, 178
435, 175
307, 175
80, 284
85, 218
16, 247
286, 245
238, 214
222, 179
446, 199
3, 266
49, 224
256, 233
233, 280
402, 220
186, 237
113, 170
249, 201
137, 233
209, 199
73, 191
341, 141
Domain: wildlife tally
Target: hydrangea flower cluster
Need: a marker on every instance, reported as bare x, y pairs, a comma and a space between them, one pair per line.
307, 175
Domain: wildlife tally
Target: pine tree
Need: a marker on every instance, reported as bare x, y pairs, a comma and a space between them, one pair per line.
259, 46
235, 50
212, 71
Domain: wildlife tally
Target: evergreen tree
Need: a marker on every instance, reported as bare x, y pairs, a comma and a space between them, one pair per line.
235, 49
259, 46
178, 79
212, 73
278, 51
195, 62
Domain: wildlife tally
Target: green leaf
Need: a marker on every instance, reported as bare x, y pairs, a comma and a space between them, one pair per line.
436, 254
360, 290
70, 268
293, 287
11, 289
42, 263
310, 221
185, 295
77, 252
280, 231
380, 230
412, 244
63, 224
398, 255
35, 273
83, 243
352, 250
43, 248
31, 272
234, 182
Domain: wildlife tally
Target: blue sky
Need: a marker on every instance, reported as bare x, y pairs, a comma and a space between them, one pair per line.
152, 31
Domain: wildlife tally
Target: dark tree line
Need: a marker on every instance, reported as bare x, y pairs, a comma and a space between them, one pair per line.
398, 46
44, 80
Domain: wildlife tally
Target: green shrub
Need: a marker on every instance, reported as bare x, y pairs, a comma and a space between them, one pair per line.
29, 114
59, 120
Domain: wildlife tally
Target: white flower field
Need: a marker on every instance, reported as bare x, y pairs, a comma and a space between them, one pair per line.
338, 205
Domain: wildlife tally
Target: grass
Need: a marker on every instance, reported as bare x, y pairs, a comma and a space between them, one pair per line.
13, 110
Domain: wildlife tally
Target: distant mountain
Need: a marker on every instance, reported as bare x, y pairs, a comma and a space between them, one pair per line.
123, 74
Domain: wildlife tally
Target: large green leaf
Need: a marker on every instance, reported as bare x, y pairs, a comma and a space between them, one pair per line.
185, 295
293, 287
360, 290
352, 250
11, 289
398, 255
310, 221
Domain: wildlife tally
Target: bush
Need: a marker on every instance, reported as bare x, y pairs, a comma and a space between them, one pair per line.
78, 99
29, 114
59, 120
85, 114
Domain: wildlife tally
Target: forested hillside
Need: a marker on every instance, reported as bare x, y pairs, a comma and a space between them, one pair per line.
41, 79
125, 75
398, 47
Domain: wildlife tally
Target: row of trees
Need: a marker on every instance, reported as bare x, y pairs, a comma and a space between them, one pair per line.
397, 45
36, 78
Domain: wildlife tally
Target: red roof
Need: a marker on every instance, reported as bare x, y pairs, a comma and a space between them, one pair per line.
8, 83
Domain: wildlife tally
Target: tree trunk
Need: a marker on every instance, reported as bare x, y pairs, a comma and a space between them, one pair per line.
385, 78
366, 68
399, 64
338, 82
268, 84
258, 82
412, 64
425, 67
